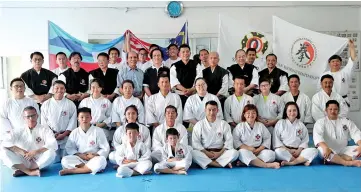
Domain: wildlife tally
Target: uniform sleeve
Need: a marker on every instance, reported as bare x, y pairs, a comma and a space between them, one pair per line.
237, 142
73, 119
28, 92
266, 137
108, 114
197, 136
62, 78
44, 114
117, 137
355, 133
227, 110
305, 137
220, 111
228, 144
188, 154
255, 77
318, 132
120, 154
317, 112
90, 80
188, 115
9, 138
184, 139
145, 153
115, 115
164, 154
224, 89
343, 108
141, 112
70, 145
347, 70
52, 82
308, 107
147, 139
103, 144
156, 140
283, 81
50, 141
4, 121
276, 137
179, 109
150, 110
173, 77
280, 107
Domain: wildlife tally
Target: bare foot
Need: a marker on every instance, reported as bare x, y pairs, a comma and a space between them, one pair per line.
115, 166
181, 172
230, 165
35, 172
356, 163
273, 165
283, 163
307, 163
64, 172
238, 163
18, 173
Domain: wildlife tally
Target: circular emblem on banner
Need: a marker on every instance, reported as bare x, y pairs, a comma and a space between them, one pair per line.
303, 52
255, 40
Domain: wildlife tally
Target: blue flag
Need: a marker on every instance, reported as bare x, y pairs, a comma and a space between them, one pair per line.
182, 37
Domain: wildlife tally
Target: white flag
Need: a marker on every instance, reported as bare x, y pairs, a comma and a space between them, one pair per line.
234, 34
304, 52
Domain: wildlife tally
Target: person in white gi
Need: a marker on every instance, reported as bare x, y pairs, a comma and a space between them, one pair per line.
142, 57
212, 140
173, 55
114, 60
342, 77
11, 111
120, 135
127, 99
133, 157
203, 56
176, 157
61, 60
87, 147
269, 105
195, 104
290, 138
101, 108
159, 138
331, 135
59, 113
29, 148
253, 141
149, 63
303, 101
234, 104
157, 103
320, 98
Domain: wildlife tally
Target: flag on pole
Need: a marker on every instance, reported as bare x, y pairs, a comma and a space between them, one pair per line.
182, 37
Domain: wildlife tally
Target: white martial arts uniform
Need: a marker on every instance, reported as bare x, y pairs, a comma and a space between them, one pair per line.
119, 105
60, 116
208, 136
304, 104
181, 152
292, 135
233, 108
92, 141
195, 107
342, 79
11, 113
101, 109
260, 63
118, 66
319, 101
120, 137
243, 134
145, 65
225, 81
38, 137
139, 152
336, 134
270, 109
159, 139
200, 68
156, 104
168, 63
57, 71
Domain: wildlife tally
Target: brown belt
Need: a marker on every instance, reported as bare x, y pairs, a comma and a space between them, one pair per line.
214, 149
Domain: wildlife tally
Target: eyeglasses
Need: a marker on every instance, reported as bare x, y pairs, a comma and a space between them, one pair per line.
30, 116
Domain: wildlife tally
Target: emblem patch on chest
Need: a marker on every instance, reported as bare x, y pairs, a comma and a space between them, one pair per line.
343, 80
219, 134
64, 113
44, 83
82, 82
299, 132
92, 143
38, 139
345, 127
258, 137
104, 106
180, 153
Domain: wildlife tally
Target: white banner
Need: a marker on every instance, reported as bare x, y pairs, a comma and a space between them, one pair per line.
236, 34
304, 52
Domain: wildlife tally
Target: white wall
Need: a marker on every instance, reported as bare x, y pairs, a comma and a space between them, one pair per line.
24, 25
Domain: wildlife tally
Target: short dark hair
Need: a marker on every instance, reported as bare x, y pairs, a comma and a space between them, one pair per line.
154, 45
172, 45
142, 49
15, 80
184, 46
328, 103
75, 53
132, 126
163, 76
156, 49
327, 76
240, 77
84, 110
334, 57
113, 49
60, 53
171, 131
212, 102
30, 108
59, 82
127, 81
293, 76
247, 108
104, 55
251, 50
285, 110
36, 53
171, 107
271, 54
264, 80
239, 50
203, 50
99, 81
200, 78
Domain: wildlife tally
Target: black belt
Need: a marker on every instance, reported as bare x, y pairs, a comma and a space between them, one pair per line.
214, 149
344, 96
